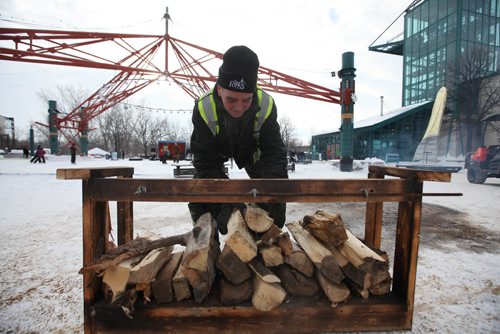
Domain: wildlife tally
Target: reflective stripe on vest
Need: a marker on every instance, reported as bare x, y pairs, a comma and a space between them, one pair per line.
208, 111
265, 102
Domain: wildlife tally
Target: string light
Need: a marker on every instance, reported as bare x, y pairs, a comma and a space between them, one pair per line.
63, 25
143, 108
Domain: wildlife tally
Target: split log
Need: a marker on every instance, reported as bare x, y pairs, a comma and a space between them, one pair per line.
271, 234
257, 219
231, 266
116, 276
296, 283
362, 278
200, 244
326, 227
321, 257
239, 238
275, 236
145, 288
200, 282
267, 296
358, 290
231, 294
138, 270
335, 292
181, 286
381, 288
136, 247
262, 271
126, 300
357, 252
198, 262
272, 256
299, 260
146, 270
284, 242
365, 259
162, 287
378, 270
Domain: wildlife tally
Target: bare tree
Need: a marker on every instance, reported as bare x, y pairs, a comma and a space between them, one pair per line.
148, 129
68, 97
178, 132
116, 128
287, 129
471, 80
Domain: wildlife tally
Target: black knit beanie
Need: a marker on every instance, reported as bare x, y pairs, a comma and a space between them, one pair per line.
239, 70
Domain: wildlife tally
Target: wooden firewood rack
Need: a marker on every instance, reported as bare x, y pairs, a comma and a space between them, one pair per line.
393, 311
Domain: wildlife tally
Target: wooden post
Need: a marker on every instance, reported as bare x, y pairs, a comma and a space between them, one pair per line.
406, 251
373, 220
94, 242
125, 218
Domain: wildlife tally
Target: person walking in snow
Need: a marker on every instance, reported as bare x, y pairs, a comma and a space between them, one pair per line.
39, 155
72, 149
176, 153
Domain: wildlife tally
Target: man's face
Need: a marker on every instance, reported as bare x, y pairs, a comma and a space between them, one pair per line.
235, 103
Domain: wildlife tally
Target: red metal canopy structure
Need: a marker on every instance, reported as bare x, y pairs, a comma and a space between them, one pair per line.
140, 60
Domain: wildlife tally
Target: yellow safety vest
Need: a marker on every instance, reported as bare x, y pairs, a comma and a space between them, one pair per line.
208, 111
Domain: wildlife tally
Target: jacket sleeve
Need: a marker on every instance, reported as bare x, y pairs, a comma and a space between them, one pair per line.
272, 148
208, 162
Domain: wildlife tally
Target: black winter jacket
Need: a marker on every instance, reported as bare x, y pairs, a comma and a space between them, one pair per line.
210, 153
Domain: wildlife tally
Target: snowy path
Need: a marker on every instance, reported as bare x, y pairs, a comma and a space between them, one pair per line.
458, 279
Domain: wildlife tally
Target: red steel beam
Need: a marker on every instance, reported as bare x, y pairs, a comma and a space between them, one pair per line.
135, 56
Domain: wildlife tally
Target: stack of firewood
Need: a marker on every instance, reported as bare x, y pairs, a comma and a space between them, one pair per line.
258, 262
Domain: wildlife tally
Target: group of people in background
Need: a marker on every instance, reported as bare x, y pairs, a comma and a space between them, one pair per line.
165, 153
39, 155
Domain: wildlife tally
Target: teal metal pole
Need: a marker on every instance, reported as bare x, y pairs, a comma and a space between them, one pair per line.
347, 74
32, 142
84, 139
53, 127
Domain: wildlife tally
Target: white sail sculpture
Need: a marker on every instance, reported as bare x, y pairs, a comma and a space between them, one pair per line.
427, 150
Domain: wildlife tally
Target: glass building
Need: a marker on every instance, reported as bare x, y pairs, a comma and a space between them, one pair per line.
435, 36
398, 132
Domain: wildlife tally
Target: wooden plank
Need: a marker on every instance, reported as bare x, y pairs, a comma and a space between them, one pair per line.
413, 253
373, 219
402, 249
94, 239
89, 173
125, 220
409, 173
296, 315
242, 191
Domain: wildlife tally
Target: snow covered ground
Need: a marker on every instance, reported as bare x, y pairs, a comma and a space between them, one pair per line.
458, 278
